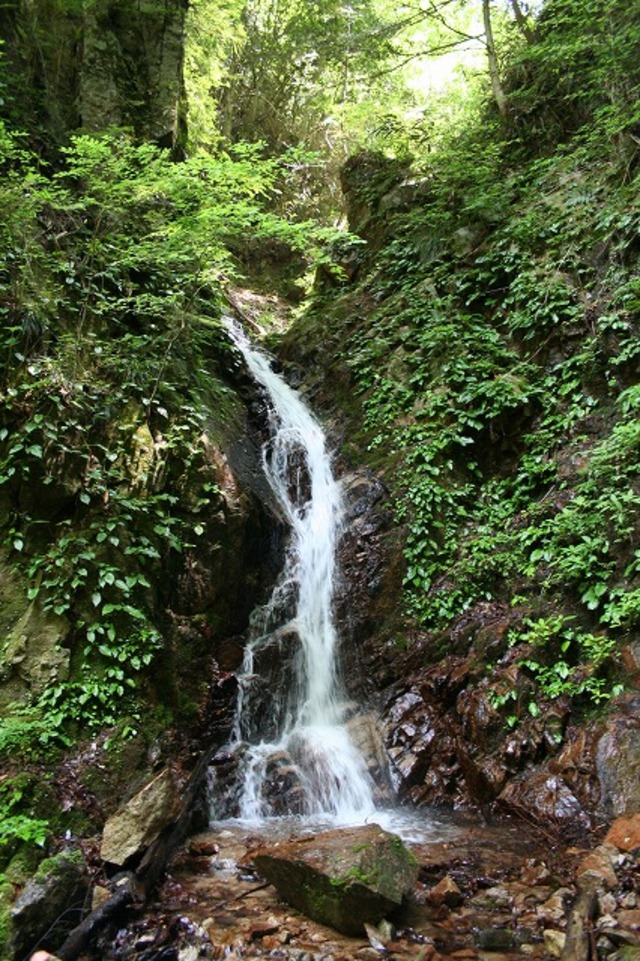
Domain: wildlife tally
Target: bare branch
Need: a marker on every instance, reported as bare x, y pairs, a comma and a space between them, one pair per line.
436, 51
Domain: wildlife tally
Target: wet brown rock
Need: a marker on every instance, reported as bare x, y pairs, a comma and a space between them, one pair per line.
203, 845
535, 872
495, 898
547, 795
554, 908
618, 758
596, 872
445, 892
630, 660
624, 833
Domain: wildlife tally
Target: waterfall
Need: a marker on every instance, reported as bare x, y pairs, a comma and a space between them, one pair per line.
294, 754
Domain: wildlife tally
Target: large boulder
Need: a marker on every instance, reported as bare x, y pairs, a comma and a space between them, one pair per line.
134, 827
50, 905
344, 878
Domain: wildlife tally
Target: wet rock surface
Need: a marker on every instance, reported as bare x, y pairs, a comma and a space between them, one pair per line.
345, 878
459, 735
496, 892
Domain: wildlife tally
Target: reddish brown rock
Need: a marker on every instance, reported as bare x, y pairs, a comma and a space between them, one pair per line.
630, 919
624, 833
595, 871
445, 892
547, 795
618, 758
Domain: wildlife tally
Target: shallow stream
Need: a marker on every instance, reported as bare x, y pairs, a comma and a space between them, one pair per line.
485, 892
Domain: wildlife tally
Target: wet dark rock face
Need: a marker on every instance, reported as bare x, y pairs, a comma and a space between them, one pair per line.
446, 717
370, 578
450, 741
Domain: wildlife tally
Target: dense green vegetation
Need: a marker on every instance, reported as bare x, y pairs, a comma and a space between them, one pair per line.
115, 389
493, 340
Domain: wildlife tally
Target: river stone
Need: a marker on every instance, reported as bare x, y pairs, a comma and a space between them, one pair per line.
624, 833
51, 904
596, 871
141, 821
345, 878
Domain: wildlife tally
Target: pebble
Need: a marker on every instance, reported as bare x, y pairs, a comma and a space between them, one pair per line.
445, 892
554, 909
596, 869
554, 942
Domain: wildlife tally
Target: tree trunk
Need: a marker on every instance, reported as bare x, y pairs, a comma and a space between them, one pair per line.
522, 21
496, 86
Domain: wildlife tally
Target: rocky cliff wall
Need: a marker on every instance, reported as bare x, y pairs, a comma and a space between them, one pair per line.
108, 63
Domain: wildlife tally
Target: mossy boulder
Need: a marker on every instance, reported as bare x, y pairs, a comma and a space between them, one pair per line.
50, 905
344, 878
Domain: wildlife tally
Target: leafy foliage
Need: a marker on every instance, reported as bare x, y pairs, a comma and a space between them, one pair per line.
498, 370
113, 379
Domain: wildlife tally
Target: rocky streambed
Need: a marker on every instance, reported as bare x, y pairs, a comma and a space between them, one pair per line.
484, 891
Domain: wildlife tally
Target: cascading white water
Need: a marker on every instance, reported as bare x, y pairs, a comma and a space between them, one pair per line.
305, 728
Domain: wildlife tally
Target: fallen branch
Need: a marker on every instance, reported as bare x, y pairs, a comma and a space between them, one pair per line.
125, 895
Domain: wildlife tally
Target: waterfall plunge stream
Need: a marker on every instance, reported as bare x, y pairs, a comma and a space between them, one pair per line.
298, 758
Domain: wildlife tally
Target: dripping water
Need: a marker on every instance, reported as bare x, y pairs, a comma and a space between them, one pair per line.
293, 749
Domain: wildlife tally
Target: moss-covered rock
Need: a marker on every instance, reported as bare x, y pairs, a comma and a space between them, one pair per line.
50, 905
33, 655
345, 878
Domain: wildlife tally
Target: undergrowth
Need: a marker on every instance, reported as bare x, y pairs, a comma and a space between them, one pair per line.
498, 371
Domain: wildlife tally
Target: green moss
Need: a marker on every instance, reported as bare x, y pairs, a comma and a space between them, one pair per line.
23, 864
56, 865
6, 897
